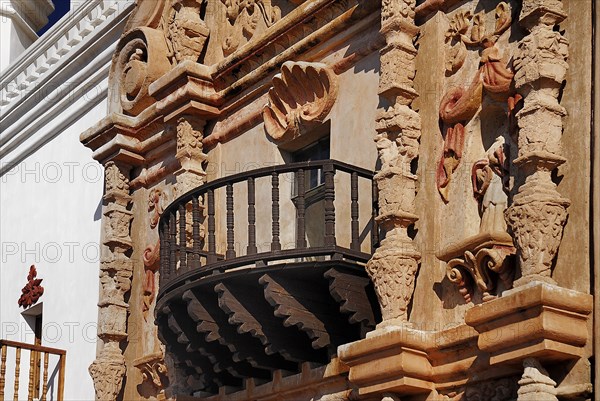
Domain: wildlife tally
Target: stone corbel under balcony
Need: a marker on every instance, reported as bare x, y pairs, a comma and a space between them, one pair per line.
537, 320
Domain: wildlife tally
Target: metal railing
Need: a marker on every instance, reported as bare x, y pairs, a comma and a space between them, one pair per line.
186, 253
36, 352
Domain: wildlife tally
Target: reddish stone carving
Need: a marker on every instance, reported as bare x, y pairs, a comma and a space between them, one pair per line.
32, 290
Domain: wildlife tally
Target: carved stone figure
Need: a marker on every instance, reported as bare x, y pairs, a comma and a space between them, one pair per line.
186, 31
32, 291
189, 153
539, 212
151, 254
247, 17
302, 95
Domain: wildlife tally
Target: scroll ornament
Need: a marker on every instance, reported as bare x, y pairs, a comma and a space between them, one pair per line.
302, 95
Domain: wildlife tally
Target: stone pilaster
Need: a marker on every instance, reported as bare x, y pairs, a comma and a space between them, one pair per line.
394, 265
189, 153
116, 269
538, 212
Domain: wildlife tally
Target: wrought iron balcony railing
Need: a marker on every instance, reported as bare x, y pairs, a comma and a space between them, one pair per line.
187, 254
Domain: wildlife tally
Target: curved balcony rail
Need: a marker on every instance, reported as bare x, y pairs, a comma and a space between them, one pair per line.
263, 271
189, 229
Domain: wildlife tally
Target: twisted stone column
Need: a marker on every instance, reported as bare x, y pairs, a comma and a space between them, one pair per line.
394, 265
538, 212
116, 269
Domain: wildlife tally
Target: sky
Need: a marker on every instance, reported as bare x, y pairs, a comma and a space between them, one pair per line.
61, 7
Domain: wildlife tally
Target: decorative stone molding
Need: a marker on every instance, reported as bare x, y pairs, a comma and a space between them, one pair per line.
116, 270
189, 153
32, 291
302, 95
247, 18
536, 384
60, 44
536, 320
394, 265
539, 213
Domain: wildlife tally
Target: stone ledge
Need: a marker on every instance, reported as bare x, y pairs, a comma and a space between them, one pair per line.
537, 320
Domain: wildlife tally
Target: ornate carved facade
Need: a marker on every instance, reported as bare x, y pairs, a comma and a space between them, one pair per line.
258, 245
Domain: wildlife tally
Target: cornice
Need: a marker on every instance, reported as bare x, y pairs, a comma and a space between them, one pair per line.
212, 92
58, 47
67, 73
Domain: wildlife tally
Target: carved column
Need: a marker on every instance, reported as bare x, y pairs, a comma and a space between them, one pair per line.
189, 153
394, 265
116, 269
538, 212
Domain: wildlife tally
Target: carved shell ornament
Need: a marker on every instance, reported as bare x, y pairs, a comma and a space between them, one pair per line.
302, 94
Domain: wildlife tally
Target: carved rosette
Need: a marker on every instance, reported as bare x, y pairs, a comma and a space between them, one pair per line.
189, 153
538, 213
302, 95
154, 370
394, 264
116, 269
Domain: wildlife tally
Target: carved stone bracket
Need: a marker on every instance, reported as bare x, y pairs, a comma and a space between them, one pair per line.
482, 260
482, 264
116, 269
539, 212
154, 370
302, 95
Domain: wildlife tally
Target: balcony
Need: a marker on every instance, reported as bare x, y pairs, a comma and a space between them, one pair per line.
264, 270
41, 385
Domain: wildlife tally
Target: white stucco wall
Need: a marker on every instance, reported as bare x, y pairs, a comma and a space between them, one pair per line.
51, 188
49, 209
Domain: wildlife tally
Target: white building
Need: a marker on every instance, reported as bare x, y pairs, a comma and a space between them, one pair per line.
51, 89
